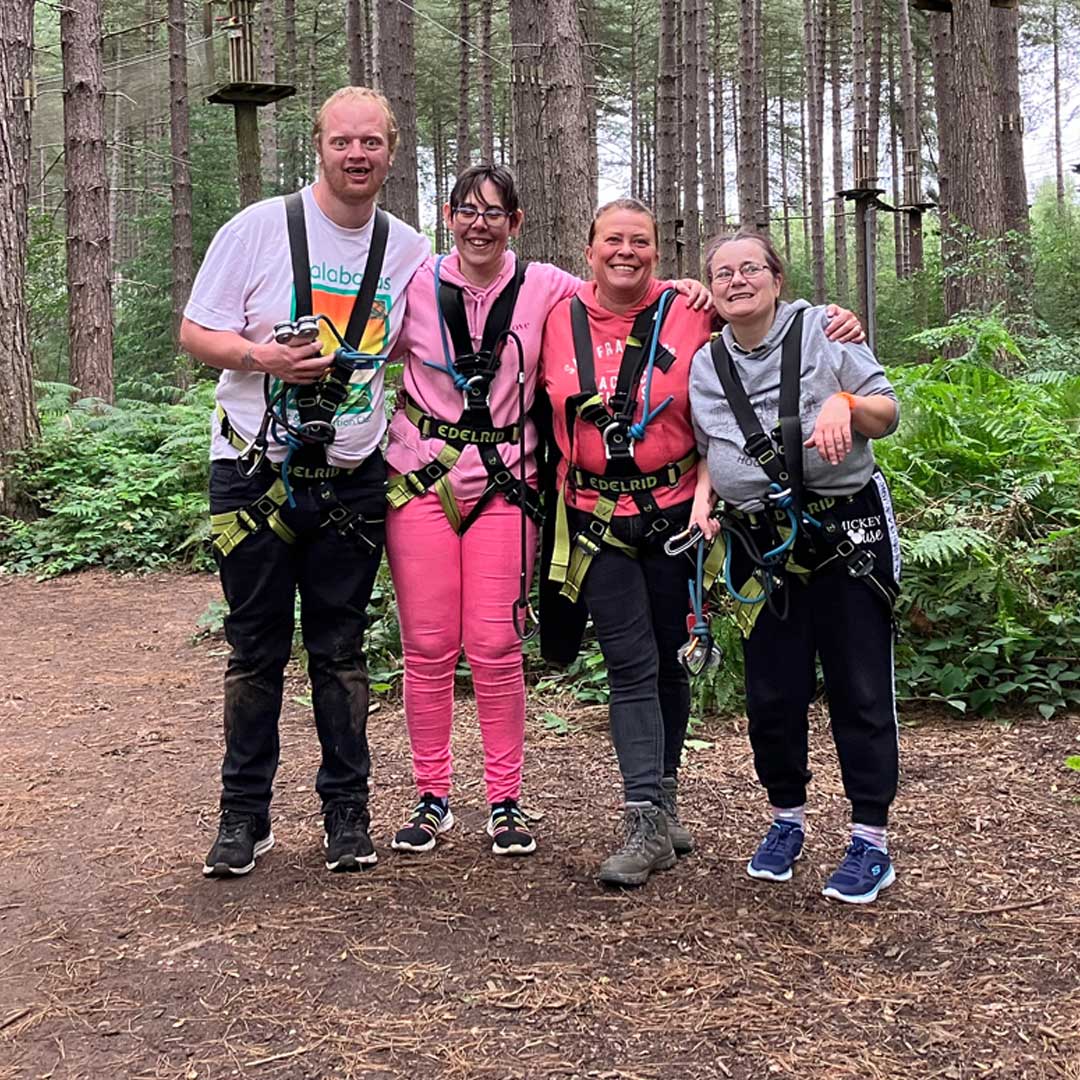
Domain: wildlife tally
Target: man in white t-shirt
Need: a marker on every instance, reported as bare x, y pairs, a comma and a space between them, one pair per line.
298, 504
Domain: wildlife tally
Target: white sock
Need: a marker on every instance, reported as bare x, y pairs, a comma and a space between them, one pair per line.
797, 814
874, 835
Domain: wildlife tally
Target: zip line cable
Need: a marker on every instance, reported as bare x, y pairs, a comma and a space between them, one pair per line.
453, 34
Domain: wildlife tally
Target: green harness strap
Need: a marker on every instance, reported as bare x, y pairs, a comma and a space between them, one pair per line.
233, 527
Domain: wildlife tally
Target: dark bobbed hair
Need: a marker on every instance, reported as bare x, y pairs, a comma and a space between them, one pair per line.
473, 178
772, 259
625, 203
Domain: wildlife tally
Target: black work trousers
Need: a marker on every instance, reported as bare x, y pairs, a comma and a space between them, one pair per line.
844, 622
638, 608
260, 578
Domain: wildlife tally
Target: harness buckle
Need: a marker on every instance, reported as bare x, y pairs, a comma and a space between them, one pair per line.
861, 564
502, 478
597, 528
760, 447
617, 442
433, 470
319, 432
659, 525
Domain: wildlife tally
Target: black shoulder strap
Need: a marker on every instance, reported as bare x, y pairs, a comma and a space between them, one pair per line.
497, 323
301, 267
786, 472
634, 353
365, 297
298, 251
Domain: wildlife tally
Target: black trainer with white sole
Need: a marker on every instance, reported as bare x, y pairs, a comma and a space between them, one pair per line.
509, 829
431, 817
348, 846
241, 839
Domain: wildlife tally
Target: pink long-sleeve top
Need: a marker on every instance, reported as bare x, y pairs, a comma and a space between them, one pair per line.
433, 391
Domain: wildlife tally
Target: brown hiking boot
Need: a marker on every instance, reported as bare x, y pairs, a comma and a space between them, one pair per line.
681, 840
647, 847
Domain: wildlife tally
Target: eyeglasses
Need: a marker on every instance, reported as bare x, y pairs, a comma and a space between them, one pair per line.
493, 215
748, 270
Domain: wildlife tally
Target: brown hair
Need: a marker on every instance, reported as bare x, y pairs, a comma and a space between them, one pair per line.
634, 205
473, 178
358, 93
772, 259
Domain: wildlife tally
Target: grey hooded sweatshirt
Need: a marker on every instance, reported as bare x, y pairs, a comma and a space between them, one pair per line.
826, 368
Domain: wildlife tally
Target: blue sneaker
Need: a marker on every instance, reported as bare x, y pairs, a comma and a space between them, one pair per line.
776, 854
865, 871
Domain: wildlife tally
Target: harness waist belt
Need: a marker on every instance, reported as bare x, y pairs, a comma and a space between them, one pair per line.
458, 433
668, 476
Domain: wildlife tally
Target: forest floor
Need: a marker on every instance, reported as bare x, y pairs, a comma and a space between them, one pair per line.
117, 958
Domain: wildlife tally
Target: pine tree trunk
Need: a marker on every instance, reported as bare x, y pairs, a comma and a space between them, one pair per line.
900, 257
1011, 124
861, 147
587, 18
310, 164
635, 119
463, 110
439, 155
815, 70
840, 245
911, 142
18, 416
183, 263
708, 181
268, 126
804, 178
294, 168
567, 110
90, 327
975, 202
691, 232
873, 124
354, 38
751, 137
785, 194
487, 108
719, 149
397, 73
528, 131
762, 96
667, 146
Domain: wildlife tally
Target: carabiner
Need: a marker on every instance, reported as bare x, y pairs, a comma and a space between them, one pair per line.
525, 621
682, 541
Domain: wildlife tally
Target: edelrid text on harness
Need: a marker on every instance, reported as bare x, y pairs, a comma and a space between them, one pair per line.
315, 405
620, 432
787, 516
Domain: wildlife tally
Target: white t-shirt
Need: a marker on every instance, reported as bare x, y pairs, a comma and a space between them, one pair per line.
245, 284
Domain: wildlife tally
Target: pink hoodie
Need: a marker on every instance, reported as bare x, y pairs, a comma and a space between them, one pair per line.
433, 391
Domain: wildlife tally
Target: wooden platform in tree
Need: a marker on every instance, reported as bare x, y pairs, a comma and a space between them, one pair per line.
248, 93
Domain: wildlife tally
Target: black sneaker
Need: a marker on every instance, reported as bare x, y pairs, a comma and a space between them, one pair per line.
241, 839
509, 830
431, 817
348, 846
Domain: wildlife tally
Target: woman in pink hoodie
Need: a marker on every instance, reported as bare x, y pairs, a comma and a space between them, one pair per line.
454, 530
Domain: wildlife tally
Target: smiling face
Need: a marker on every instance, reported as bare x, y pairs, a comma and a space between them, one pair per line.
354, 151
622, 254
481, 243
745, 296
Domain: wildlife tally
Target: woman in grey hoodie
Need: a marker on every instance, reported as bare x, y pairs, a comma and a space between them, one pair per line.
821, 589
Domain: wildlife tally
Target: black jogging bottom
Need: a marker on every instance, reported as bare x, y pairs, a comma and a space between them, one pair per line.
843, 622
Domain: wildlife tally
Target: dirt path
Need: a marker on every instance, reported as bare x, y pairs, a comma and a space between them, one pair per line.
118, 960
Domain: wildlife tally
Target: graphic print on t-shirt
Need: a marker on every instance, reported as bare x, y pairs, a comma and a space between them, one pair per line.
337, 305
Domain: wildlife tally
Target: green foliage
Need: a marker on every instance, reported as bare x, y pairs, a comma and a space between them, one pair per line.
985, 476
1055, 233
119, 486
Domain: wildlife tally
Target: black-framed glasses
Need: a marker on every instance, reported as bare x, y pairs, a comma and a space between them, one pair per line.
747, 269
493, 215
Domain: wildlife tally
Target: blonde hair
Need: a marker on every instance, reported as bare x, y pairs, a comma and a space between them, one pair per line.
635, 206
357, 94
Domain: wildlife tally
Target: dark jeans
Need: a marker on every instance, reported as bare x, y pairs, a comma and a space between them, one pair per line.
639, 608
260, 578
846, 624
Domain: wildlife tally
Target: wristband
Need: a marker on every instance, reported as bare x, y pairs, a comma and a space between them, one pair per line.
849, 398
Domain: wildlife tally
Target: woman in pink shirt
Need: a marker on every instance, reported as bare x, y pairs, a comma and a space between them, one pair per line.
454, 530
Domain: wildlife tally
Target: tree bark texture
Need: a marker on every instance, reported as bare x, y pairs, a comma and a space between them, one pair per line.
974, 201
183, 262
354, 37
268, 127
667, 142
1006, 26
691, 230
464, 150
751, 195
814, 58
90, 328
1059, 159
18, 417
840, 246
527, 101
708, 182
911, 142
397, 75
293, 165
487, 106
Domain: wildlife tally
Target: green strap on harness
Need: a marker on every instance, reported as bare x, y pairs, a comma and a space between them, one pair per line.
234, 526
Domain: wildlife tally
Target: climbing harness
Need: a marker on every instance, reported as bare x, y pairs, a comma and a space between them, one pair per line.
620, 433
473, 371
700, 652
787, 514
314, 405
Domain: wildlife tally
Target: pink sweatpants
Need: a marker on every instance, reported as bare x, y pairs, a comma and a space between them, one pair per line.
455, 591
